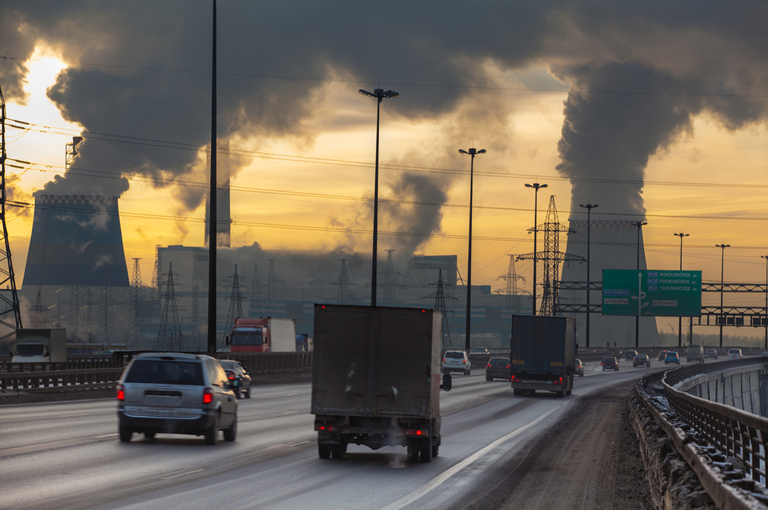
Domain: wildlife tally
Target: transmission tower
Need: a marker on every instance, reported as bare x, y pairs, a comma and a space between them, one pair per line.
74, 313
254, 301
169, 337
236, 299
342, 294
512, 301
40, 312
88, 314
551, 256
107, 330
440, 297
271, 286
10, 314
134, 310
389, 280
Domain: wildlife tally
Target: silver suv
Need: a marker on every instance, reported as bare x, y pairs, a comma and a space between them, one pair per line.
176, 393
456, 361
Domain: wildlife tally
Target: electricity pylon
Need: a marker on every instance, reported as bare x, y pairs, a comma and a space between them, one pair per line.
236, 299
342, 294
170, 337
440, 297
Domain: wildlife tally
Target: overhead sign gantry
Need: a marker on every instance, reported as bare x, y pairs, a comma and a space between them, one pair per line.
651, 293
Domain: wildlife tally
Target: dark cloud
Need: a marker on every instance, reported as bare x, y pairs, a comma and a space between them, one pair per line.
277, 61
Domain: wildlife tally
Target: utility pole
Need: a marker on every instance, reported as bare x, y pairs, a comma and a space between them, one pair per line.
589, 208
639, 225
680, 319
536, 186
213, 236
765, 319
722, 267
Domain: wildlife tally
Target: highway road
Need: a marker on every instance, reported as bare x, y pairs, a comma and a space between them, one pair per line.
67, 455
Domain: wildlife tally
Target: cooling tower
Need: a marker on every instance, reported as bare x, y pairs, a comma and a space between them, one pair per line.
613, 245
76, 240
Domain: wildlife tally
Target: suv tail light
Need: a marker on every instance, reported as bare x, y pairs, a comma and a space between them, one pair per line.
207, 396
489, 365
120, 392
463, 362
230, 375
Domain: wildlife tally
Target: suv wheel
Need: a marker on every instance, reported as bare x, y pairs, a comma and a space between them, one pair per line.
212, 434
125, 434
230, 433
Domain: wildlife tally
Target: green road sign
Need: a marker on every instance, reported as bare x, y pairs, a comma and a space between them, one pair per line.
655, 293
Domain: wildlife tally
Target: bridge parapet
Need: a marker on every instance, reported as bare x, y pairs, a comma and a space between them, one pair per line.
722, 442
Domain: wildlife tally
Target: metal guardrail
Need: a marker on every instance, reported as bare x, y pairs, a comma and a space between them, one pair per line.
91, 372
711, 435
733, 432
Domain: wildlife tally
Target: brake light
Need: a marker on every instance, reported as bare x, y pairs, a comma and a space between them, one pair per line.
324, 428
231, 375
463, 362
412, 432
121, 392
512, 378
508, 366
443, 360
207, 396
489, 365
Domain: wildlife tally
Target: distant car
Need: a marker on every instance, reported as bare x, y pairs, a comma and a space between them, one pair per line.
630, 354
671, 357
497, 368
641, 360
610, 363
662, 354
456, 361
238, 376
694, 353
734, 353
578, 368
176, 393
764, 355
480, 351
711, 353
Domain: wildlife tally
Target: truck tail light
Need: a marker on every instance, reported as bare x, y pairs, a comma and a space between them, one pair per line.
560, 381
207, 396
508, 366
415, 432
325, 428
512, 378
121, 392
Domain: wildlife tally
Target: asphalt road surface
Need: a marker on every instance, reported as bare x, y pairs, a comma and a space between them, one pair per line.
498, 451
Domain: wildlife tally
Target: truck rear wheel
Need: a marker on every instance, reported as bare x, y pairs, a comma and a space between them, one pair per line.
435, 450
338, 451
413, 450
518, 392
324, 451
425, 449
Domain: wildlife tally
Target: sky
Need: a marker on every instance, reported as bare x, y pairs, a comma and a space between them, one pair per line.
656, 111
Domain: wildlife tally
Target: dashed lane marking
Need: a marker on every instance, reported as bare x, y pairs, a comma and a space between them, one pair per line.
179, 475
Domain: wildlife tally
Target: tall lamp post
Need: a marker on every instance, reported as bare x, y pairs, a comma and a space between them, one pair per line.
680, 319
722, 267
536, 187
212, 205
472, 153
589, 208
766, 299
379, 94
639, 225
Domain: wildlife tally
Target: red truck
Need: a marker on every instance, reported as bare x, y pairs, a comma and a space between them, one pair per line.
262, 335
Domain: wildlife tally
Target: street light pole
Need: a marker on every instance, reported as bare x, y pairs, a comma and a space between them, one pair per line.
639, 225
680, 319
589, 208
536, 187
472, 153
722, 267
766, 299
379, 94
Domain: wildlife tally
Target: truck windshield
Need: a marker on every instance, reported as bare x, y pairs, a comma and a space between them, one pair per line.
249, 338
29, 349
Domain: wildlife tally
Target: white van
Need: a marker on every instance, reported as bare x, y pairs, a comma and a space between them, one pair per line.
695, 353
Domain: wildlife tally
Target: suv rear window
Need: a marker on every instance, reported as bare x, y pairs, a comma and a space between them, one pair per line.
454, 355
609, 360
156, 371
499, 362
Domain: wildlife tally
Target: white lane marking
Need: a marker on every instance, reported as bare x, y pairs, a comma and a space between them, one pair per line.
177, 475
290, 394
288, 412
106, 435
73, 415
445, 475
299, 444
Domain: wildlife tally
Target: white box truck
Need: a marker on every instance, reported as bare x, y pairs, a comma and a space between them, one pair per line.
40, 345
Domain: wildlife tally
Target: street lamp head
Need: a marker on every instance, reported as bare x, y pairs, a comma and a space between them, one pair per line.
681, 234
472, 151
536, 185
481, 151
390, 93
589, 206
463, 151
723, 246
638, 224
366, 93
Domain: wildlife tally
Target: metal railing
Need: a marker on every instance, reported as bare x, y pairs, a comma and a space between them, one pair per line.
731, 431
91, 372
